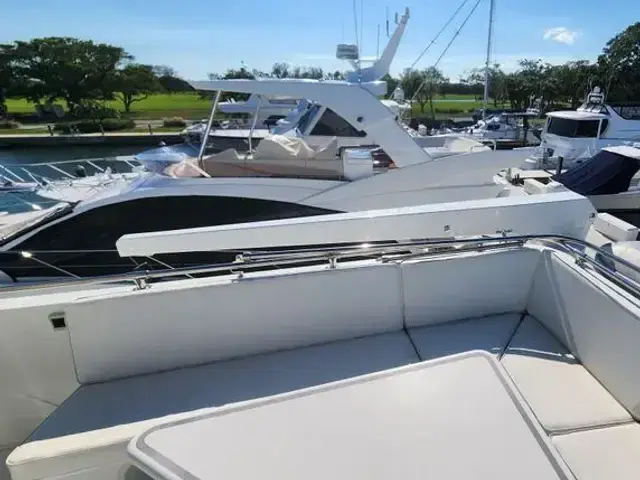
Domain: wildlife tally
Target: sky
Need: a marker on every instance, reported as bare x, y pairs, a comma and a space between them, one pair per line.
199, 37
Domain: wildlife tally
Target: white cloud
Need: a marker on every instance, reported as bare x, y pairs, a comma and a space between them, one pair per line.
561, 35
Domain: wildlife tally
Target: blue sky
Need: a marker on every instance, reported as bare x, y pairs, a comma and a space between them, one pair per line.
197, 37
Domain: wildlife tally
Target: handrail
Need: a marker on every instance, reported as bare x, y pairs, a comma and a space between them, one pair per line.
387, 252
55, 166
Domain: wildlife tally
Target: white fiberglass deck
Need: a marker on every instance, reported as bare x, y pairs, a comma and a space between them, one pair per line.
564, 338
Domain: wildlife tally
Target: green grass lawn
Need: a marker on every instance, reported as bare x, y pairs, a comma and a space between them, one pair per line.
185, 105
19, 105
23, 131
192, 107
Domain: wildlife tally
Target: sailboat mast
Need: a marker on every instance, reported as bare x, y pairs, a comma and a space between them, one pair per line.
487, 67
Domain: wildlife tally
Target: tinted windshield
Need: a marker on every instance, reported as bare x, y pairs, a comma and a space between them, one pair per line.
29, 220
565, 127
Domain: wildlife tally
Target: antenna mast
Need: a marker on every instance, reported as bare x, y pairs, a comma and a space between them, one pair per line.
488, 63
387, 22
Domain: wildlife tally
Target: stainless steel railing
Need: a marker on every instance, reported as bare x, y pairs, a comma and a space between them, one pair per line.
37, 172
383, 252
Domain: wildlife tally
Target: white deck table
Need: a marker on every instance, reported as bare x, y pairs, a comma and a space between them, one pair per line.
453, 418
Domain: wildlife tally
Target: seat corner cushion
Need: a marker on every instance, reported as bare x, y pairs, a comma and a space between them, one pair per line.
602, 453
490, 334
561, 392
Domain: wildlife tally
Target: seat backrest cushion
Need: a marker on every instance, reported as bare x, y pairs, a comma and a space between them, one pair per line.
599, 324
467, 286
198, 321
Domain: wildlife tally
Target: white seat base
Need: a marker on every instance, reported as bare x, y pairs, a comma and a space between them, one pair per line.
602, 453
140, 398
490, 334
562, 393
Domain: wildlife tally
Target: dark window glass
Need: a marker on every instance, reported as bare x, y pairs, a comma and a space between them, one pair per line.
273, 119
603, 127
100, 228
333, 125
628, 112
303, 123
284, 101
565, 127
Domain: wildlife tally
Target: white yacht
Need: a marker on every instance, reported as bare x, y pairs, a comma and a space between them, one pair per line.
476, 347
314, 121
263, 108
283, 177
333, 112
506, 129
571, 137
78, 238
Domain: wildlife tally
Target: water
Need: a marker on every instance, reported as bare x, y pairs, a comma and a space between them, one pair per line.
31, 155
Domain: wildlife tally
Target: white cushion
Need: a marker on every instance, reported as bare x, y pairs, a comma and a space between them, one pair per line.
604, 329
139, 398
203, 321
454, 288
561, 392
602, 454
112, 413
487, 333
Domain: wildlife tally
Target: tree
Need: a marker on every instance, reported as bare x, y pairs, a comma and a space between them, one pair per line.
392, 84
7, 79
171, 84
242, 72
497, 83
169, 79
67, 68
164, 71
620, 65
422, 86
134, 83
280, 70
412, 84
433, 79
573, 81
337, 75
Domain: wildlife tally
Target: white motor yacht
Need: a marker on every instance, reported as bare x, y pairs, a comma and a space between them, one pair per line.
470, 346
507, 129
571, 137
284, 177
314, 121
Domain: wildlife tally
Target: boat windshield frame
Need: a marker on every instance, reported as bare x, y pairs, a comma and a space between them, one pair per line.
59, 210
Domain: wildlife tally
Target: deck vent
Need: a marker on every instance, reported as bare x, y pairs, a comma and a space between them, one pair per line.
58, 321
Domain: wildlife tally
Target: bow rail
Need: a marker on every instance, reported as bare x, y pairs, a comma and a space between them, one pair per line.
585, 254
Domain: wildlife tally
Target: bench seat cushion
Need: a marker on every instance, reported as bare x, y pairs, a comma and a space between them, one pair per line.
602, 453
95, 424
490, 333
562, 393
133, 399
